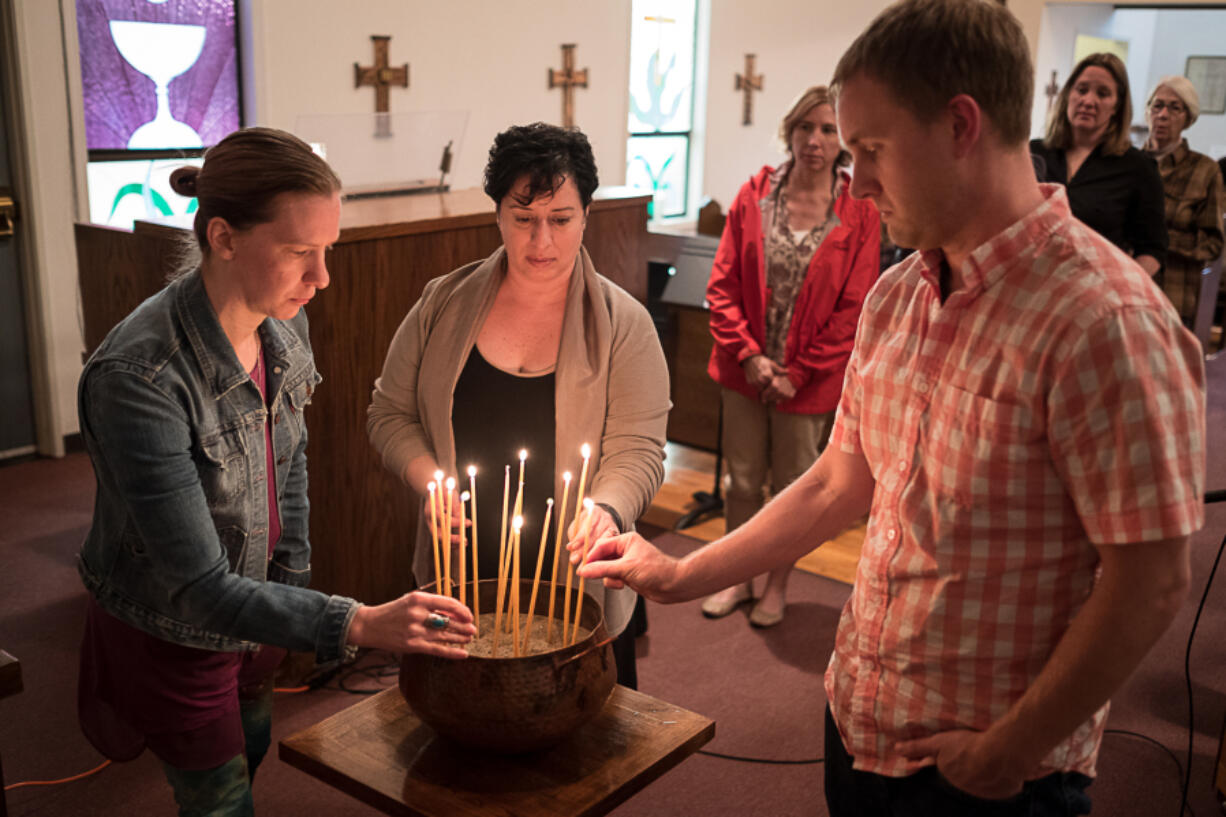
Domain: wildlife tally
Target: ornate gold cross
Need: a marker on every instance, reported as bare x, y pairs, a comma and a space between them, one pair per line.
748, 83
380, 75
568, 79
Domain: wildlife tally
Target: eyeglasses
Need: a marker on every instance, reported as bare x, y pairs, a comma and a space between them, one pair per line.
1175, 108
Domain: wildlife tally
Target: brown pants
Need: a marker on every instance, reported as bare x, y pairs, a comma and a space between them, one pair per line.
766, 449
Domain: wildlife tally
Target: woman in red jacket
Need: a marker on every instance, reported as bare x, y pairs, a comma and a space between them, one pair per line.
796, 260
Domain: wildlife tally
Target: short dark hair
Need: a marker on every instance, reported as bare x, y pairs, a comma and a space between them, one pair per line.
245, 172
929, 51
547, 155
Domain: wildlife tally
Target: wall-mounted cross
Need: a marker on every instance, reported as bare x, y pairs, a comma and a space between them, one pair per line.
380, 75
568, 79
1052, 90
748, 83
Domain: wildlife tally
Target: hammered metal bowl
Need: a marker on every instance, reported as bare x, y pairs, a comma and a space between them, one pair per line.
514, 705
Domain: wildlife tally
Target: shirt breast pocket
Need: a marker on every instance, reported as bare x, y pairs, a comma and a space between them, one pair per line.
222, 465
982, 451
298, 397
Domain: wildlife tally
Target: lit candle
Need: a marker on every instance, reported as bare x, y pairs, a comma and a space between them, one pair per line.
434, 534
536, 578
519, 501
502, 548
516, 526
472, 490
586, 451
447, 517
587, 536
557, 546
463, 579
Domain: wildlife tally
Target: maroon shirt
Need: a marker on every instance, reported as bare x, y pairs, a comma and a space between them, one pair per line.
137, 690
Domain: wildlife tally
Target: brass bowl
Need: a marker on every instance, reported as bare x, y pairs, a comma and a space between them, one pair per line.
514, 705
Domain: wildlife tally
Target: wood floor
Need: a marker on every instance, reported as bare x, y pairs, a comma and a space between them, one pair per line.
687, 470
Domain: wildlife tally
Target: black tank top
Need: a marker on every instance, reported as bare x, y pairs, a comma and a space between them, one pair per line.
495, 414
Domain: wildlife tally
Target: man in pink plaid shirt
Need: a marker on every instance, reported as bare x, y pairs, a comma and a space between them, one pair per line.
1023, 420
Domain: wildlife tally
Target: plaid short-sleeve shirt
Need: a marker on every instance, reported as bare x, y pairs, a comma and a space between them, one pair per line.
1053, 404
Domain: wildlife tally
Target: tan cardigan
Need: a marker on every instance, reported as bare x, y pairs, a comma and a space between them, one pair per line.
611, 390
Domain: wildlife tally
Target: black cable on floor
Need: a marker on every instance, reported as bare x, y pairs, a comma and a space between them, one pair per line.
743, 759
1162, 746
1187, 670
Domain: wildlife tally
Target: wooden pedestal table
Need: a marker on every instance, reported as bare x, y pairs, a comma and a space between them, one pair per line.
379, 752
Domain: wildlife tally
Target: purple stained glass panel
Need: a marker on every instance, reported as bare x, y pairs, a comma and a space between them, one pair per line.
123, 65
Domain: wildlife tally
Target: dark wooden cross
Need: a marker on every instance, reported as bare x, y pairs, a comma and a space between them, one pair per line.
568, 79
1052, 90
748, 83
380, 75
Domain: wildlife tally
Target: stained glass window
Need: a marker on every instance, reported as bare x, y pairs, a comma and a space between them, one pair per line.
662, 41
160, 81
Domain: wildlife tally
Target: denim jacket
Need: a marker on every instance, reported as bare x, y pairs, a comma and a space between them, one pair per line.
175, 428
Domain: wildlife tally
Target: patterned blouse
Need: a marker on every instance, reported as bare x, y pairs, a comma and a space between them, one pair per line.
787, 261
1193, 185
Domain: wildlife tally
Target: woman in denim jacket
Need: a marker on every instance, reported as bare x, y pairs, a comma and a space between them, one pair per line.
198, 558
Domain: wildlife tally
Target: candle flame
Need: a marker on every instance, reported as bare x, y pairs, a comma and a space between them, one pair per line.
450, 483
549, 502
472, 470
464, 496
588, 504
585, 450
523, 454
517, 522
566, 476
438, 476
431, 487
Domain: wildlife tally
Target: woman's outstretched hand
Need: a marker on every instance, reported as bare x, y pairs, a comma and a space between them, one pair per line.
415, 622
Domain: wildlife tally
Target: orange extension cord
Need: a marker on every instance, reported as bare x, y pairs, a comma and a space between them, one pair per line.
106, 763
94, 770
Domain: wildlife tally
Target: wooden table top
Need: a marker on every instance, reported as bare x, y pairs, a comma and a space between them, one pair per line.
379, 752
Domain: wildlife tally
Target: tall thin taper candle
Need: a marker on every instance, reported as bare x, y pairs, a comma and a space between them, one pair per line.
472, 490
518, 510
516, 526
557, 547
586, 451
438, 561
438, 575
536, 578
447, 535
587, 543
463, 580
502, 547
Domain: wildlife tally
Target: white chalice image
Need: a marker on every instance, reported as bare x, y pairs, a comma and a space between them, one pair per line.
160, 51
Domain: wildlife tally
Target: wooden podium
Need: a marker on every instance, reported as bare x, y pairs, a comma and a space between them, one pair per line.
362, 518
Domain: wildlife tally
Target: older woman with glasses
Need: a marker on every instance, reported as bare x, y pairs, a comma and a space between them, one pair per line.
1193, 185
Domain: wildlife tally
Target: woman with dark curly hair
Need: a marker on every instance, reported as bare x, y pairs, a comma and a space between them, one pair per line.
530, 349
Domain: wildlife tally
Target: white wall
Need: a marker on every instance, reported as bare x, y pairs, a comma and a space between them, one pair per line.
491, 59
1179, 34
798, 44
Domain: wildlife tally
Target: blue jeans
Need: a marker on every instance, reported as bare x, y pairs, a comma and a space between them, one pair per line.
853, 793
225, 790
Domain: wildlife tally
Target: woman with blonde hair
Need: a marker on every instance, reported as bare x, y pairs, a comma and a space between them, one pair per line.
1193, 186
1112, 187
796, 260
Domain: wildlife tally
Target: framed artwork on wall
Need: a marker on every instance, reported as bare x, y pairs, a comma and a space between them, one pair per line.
1208, 75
